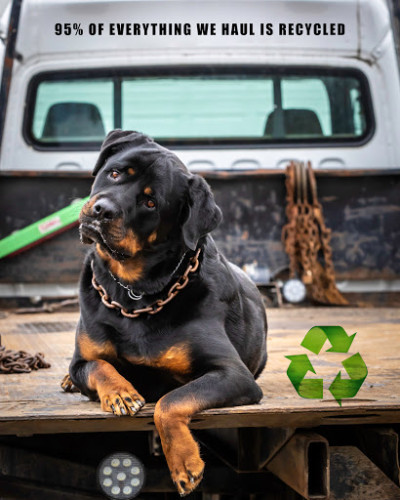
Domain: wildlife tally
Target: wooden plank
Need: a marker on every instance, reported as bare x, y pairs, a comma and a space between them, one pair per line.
34, 403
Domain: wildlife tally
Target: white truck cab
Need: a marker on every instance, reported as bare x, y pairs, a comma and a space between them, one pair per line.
278, 81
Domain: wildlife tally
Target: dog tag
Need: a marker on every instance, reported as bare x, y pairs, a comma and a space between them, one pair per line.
133, 296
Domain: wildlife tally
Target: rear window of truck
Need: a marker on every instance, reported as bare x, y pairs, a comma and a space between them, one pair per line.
202, 107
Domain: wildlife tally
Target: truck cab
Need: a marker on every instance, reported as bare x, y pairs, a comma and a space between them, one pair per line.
268, 87
237, 90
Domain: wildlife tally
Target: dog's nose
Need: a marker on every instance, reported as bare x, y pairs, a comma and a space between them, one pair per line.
105, 209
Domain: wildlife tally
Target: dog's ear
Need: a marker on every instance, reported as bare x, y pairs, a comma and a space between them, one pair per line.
203, 213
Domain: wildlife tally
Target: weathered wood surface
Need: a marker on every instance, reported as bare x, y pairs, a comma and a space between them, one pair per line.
34, 403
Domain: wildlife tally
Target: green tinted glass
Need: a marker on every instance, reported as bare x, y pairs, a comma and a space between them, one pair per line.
263, 107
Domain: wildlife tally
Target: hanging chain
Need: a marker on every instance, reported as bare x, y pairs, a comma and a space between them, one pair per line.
306, 237
156, 306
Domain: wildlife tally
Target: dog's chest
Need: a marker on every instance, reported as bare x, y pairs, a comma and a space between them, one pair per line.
175, 359
141, 346
162, 349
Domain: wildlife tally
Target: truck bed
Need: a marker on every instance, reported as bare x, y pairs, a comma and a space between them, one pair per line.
34, 403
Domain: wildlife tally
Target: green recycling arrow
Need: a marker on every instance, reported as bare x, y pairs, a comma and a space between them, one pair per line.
340, 388
337, 336
309, 388
348, 388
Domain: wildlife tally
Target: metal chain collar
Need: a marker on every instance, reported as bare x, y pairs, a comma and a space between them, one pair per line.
156, 306
306, 236
138, 296
131, 294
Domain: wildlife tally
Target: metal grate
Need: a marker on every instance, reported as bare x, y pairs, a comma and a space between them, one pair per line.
44, 327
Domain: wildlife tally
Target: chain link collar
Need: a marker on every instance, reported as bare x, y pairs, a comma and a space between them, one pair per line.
156, 306
138, 296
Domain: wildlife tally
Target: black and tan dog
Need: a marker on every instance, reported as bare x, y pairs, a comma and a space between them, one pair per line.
164, 317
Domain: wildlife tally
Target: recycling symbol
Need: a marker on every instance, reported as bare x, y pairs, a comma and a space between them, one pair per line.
340, 388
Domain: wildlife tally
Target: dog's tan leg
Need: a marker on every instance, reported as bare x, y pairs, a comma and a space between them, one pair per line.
181, 450
116, 394
228, 386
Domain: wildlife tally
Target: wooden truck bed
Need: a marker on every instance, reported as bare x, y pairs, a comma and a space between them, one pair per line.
34, 403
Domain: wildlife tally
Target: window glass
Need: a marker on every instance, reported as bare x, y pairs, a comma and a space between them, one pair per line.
73, 110
266, 105
309, 96
197, 107
358, 112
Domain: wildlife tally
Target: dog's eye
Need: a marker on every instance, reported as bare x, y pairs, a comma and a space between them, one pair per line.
150, 204
147, 202
114, 174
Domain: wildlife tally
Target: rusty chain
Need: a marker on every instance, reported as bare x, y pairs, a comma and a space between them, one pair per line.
156, 306
306, 237
20, 361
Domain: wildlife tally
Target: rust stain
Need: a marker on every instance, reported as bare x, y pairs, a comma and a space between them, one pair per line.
176, 359
92, 351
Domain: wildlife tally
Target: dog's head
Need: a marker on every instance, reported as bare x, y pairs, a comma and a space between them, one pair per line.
144, 198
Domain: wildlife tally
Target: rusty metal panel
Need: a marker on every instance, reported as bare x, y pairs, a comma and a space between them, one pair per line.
303, 464
361, 207
362, 211
354, 476
24, 200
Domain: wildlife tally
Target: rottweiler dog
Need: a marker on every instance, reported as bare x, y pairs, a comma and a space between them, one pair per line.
164, 316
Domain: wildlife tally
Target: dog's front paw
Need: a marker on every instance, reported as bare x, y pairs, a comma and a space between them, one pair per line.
186, 467
122, 401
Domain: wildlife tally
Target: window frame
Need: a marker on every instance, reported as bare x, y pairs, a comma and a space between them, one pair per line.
115, 74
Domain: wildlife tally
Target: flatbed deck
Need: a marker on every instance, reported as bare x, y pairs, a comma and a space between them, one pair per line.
35, 403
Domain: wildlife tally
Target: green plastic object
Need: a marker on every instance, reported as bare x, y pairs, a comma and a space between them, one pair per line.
41, 230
